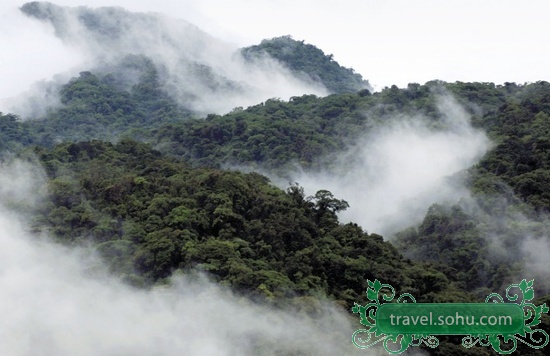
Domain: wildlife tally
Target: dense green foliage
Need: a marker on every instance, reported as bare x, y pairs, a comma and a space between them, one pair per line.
152, 212
12, 133
271, 135
149, 215
108, 106
307, 129
521, 159
309, 61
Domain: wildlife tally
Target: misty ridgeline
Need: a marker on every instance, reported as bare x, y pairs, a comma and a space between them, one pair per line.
170, 193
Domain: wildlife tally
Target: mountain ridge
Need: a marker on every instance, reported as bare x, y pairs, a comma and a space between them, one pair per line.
306, 59
174, 201
200, 72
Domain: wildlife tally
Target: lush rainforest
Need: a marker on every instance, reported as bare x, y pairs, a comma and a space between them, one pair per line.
167, 205
156, 189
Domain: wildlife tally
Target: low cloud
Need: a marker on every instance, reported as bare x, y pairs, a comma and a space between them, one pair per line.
518, 240
201, 72
393, 173
30, 53
536, 254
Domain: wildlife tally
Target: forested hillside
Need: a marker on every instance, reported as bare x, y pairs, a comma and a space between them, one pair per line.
138, 169
202, 73
307, 130
308, 60
151, 213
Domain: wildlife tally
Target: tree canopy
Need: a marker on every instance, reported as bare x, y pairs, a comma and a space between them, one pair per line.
143, 180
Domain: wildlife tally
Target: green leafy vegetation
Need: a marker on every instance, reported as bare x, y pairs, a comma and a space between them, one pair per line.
108, 106
152, 212
13, 134
308, 61
150, 215
521, 129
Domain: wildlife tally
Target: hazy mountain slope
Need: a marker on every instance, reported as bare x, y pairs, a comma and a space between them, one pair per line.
499, 229
150, 215
308, 130
200, 72
521, 130
312, 132
127, 101
309, 61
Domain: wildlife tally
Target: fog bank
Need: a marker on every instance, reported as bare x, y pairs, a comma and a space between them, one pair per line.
393, 173
200, 72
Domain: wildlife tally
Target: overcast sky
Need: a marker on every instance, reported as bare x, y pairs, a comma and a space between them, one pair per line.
387, 41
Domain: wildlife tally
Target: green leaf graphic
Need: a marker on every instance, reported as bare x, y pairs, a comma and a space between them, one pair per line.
529, 295
370, 283
372, 295
523, 285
